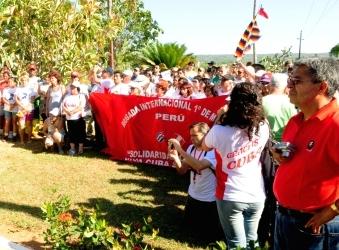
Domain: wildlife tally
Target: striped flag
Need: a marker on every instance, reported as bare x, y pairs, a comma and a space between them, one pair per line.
250, 36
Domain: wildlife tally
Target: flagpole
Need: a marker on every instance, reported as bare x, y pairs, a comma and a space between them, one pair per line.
254, 13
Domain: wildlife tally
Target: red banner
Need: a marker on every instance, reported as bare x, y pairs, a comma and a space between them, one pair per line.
137, 128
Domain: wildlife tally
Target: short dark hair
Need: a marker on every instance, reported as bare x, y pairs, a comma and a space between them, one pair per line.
211, 87
117, 72
258, 66
185, 83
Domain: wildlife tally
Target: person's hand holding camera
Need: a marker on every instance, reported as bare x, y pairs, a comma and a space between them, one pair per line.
283, 151
172, 151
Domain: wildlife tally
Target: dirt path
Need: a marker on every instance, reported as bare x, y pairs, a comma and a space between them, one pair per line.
34, 240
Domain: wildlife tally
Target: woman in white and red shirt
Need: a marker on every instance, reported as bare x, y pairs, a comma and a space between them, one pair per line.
239, 141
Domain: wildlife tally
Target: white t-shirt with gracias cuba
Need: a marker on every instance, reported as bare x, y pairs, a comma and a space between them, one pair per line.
239, 172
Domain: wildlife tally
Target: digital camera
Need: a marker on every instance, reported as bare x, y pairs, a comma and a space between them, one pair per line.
285, 149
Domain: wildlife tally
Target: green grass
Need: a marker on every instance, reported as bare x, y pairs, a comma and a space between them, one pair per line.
124, 192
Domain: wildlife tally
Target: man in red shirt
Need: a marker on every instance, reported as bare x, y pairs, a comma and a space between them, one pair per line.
307, 181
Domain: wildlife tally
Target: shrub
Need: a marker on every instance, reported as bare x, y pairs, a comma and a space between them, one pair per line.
276, 63
85, 229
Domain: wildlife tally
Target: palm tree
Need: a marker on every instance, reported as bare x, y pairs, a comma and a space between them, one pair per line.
169, 54
335, 51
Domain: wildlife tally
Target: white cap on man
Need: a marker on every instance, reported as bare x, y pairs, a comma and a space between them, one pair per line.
127, 72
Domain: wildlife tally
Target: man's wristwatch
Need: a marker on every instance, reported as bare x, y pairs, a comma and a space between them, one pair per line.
335, 208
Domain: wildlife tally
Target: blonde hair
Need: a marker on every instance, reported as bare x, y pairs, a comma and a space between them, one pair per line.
23, 79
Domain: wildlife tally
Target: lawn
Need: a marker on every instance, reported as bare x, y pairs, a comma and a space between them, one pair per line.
125, 192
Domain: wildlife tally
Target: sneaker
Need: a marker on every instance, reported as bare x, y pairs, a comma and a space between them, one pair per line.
71, 152
61, 152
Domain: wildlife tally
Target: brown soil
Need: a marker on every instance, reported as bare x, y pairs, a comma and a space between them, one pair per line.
32, 240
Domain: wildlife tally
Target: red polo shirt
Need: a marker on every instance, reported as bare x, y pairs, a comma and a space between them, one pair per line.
310, 180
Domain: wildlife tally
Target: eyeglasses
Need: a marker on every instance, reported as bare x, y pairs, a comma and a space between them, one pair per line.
293, 81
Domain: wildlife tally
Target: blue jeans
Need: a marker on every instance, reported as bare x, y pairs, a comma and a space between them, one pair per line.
290, 233
239, 221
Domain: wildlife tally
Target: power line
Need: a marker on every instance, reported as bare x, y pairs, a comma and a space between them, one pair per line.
309, 13
325, 10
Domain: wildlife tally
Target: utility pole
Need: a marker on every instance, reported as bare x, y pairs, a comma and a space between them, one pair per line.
111, 45
300, 38
254, 11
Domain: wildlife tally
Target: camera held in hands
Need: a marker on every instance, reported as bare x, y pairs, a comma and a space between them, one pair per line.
285, 149
171, 145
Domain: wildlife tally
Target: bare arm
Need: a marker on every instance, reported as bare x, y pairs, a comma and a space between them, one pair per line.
250, 74
17, 100
180, 166
323, 216
190, 160
48, 97
95, 77
45, 127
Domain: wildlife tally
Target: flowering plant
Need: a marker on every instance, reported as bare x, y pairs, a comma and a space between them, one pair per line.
83, 229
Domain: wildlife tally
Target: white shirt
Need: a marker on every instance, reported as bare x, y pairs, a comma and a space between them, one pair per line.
9, 95
120, 89
203, 183
25, 95
43, 89
97, 88
242, 180
107, 84
72, 102
150, 90
198, 95
33, 83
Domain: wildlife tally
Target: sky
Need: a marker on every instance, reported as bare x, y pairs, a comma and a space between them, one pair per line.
210, 27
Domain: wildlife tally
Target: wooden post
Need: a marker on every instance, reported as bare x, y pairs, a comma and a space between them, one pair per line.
111, 60
254, 12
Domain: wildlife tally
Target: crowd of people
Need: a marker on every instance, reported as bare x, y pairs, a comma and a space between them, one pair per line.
28, 99
225, 161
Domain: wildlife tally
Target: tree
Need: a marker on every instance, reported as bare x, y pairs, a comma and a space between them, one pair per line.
276, 63
169, 54
138, 30
54, 33
335, 51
